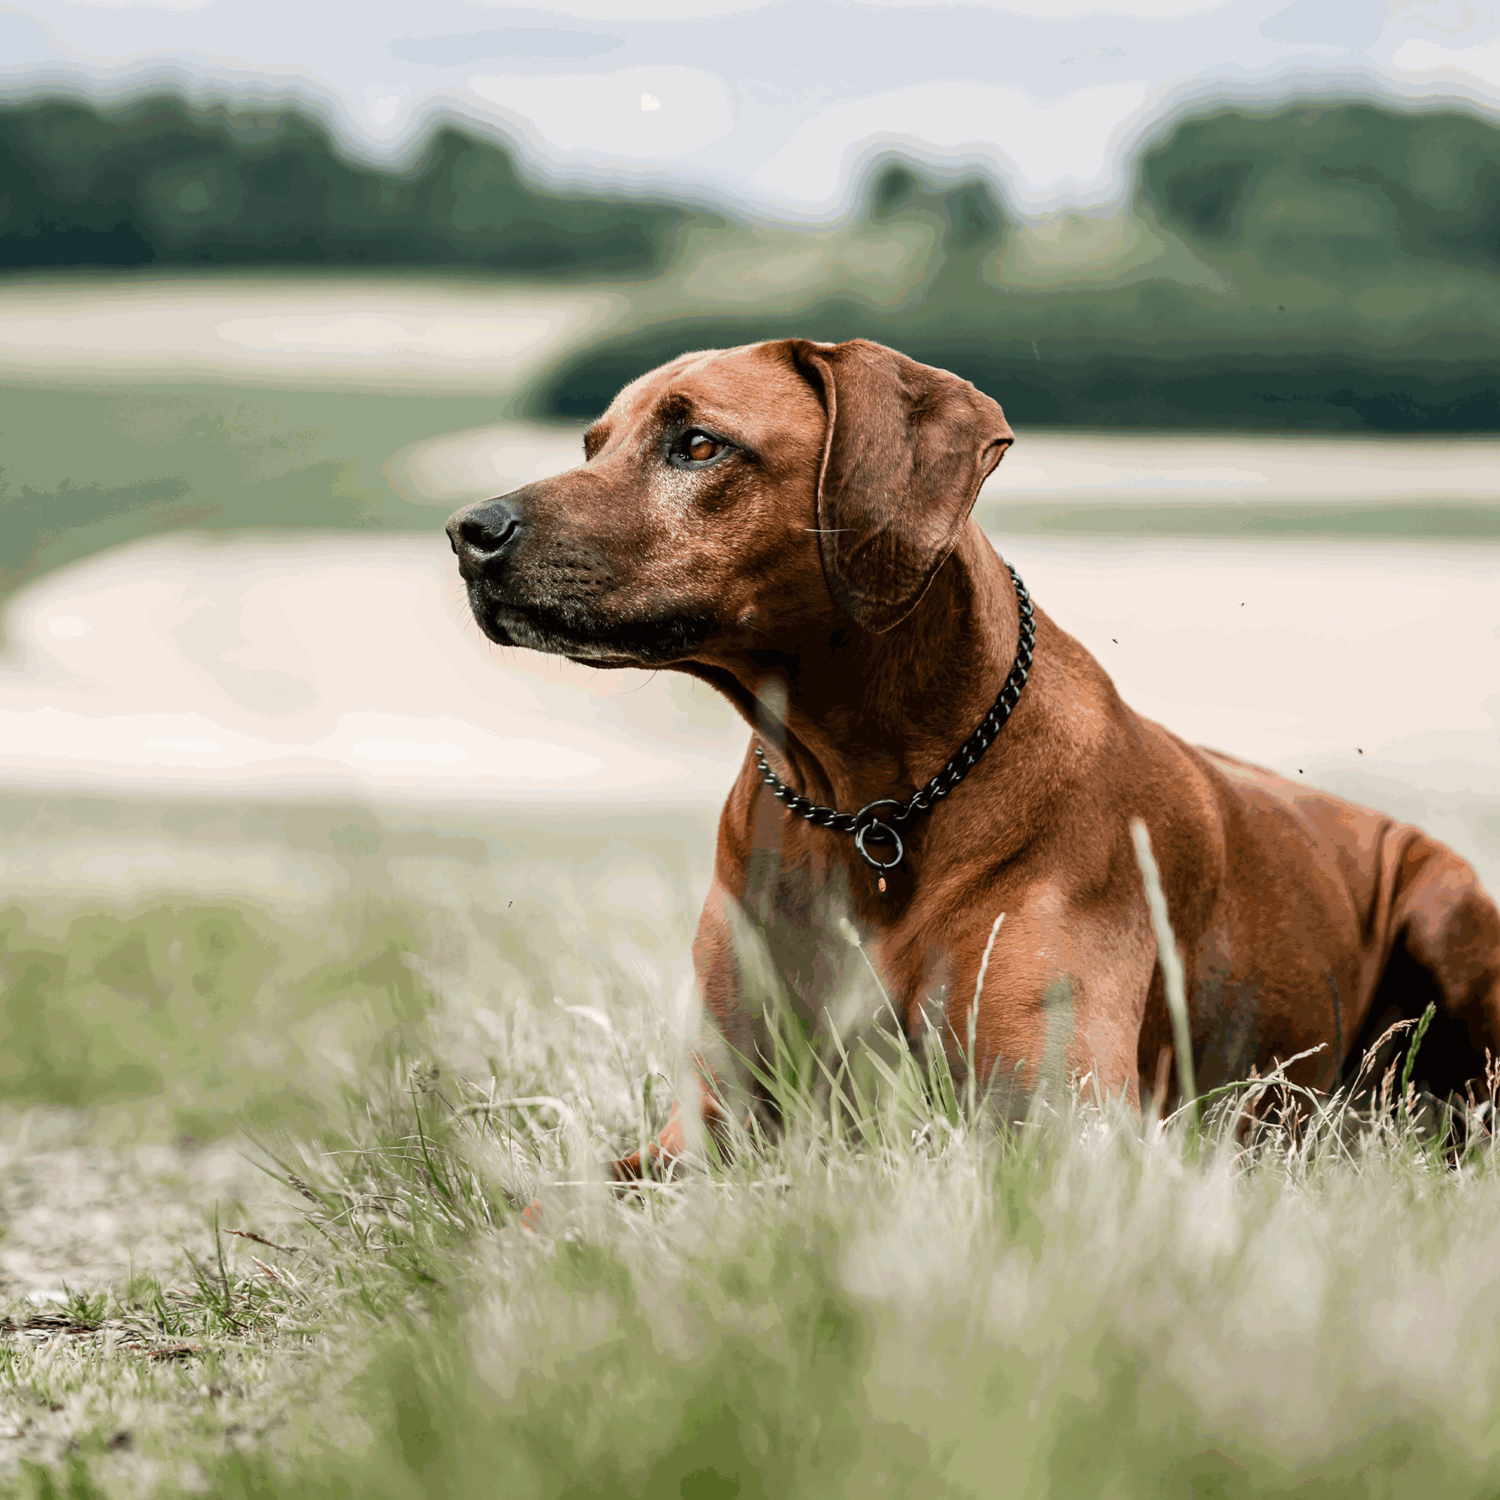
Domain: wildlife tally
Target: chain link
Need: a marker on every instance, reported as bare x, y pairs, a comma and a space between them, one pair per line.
868, 824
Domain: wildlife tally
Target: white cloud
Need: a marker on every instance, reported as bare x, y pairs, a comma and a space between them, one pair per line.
1051, 10
143, 4
605, 113
1482, 62
385, 109
698, 10
1042, 149
386, 106
636, 10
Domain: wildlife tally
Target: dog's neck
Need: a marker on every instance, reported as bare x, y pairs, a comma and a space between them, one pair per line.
863, 716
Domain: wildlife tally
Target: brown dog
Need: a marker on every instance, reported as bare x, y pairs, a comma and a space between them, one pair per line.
790, 522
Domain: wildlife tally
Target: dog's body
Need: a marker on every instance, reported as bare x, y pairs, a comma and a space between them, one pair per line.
790, 523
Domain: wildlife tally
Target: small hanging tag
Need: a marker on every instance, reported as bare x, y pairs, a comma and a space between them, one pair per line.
882, 884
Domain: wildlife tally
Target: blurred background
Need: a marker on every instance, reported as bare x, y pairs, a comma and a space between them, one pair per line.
282, 285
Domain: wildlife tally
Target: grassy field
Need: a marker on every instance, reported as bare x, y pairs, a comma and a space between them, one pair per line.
265, 1146
277, 1079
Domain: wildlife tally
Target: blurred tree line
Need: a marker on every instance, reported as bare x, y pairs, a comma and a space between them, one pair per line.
161, 182
1318, 265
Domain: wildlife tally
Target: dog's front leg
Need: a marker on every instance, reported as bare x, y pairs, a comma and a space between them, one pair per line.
713, 948
659, 1156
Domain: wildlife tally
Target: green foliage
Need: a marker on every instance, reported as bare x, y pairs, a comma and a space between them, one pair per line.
31, 517
1324, 187
196, 1018
89, 468
1202, 196
1087, 386
967, 214
72, 1483
164, 182
1320, 267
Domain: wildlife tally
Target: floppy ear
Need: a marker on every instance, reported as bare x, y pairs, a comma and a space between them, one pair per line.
906, 450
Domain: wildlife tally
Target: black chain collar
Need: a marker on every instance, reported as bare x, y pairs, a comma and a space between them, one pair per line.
869, 824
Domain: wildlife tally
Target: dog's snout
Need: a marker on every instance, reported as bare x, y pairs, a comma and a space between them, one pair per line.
481, 534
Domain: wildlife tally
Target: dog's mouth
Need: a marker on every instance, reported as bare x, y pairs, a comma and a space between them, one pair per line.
567, 629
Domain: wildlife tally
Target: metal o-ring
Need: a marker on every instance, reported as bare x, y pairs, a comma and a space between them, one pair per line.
864, 831
866, 817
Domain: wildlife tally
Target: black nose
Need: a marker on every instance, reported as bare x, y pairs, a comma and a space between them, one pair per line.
480, 534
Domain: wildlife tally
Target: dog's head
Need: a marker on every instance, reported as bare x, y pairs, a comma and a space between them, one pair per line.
731, 501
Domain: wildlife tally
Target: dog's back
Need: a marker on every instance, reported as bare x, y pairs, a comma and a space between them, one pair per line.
1373, 920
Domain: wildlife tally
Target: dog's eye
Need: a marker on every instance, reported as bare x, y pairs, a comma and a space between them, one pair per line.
698, 447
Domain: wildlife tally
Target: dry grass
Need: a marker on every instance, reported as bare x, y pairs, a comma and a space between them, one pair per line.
895, 1294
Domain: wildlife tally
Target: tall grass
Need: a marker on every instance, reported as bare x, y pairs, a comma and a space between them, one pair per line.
898, 1291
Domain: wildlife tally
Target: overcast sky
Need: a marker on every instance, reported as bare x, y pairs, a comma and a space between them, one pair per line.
765, 103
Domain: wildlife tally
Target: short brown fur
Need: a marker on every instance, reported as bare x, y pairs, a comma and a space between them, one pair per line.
823, 572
